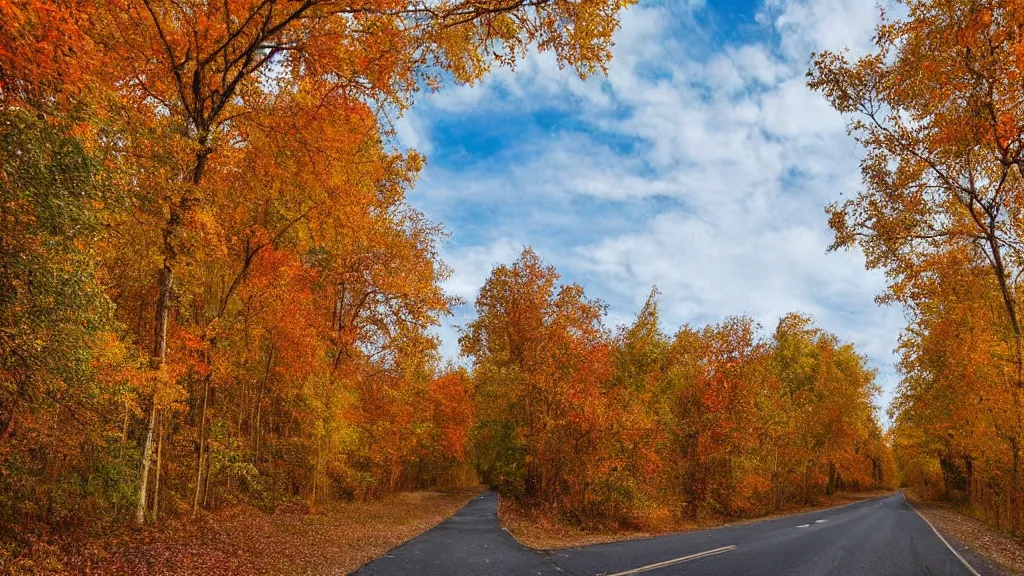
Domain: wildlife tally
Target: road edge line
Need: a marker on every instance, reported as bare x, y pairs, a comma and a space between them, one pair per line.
932, 526
674, 561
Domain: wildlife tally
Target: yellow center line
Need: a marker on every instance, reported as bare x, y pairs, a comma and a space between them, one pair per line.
675, 561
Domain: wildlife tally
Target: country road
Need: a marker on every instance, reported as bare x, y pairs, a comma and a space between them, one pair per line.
884, 536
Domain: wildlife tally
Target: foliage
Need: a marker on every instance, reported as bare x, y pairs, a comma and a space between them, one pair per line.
214, 292
65, 377
212, 288
638, 428
937, 108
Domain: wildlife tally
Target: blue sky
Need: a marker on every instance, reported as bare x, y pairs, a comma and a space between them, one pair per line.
701, 164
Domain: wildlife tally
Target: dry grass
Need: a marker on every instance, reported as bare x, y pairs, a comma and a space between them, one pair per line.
247, 541
999, 548
547, 531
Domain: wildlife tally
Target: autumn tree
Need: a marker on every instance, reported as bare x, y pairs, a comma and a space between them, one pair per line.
191, 76
637, 453
639, 430
538, 351
719, 373
937, 109
953, 414
308, 294
65, 376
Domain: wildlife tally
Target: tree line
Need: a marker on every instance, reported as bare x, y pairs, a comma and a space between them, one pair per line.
637, 428
212, 288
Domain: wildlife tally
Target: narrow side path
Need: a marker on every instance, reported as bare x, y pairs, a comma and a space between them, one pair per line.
472, 542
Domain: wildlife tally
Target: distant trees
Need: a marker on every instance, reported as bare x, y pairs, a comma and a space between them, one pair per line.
637, 428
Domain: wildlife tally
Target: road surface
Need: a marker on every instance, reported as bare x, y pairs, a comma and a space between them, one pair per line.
879, 537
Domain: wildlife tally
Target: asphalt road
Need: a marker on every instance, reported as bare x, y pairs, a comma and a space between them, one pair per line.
876, 537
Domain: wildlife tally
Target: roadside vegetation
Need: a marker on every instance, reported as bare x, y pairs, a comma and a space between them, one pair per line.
216, 304
938, 110
637, 429
244, 540
213, 292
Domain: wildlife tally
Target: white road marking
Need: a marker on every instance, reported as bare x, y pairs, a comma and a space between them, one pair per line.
657, 565
955, 553
820, 521
803, 526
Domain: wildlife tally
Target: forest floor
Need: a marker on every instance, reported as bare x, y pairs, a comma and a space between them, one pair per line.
244, 541
993, 545
542, 531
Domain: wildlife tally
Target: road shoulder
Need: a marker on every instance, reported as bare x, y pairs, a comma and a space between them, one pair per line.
246, 541
989, 551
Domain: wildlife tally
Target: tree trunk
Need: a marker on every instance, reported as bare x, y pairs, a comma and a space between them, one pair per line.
1014, 483
159, 462
147, 453
259, 407
165, 282
202, 446
165, 286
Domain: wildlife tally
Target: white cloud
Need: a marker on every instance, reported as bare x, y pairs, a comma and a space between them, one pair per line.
412, 133
813, 25
472, 265
791, 111
702, 171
